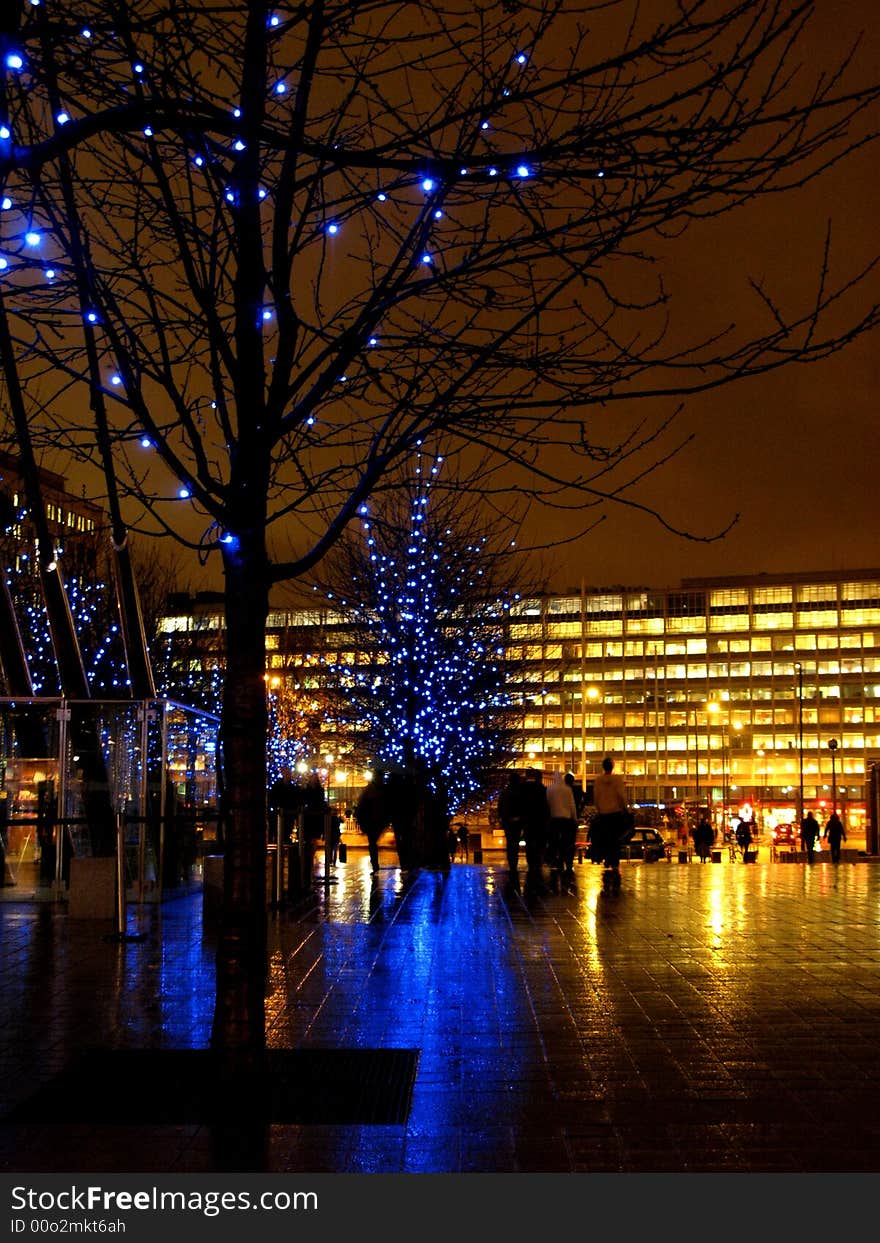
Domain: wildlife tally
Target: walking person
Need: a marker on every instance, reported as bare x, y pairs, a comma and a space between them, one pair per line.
510, 815
610, 822
744, 838
704, 837
834, 833
809, 833
561, 831
536, 814
372, 817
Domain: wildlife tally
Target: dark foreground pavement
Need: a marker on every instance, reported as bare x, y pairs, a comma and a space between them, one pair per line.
707, 1018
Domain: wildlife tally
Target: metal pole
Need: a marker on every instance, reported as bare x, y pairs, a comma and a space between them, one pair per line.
163, 769
278, 857
328, 848
832, 747
144, 717
800, 681
63, 717
120, 873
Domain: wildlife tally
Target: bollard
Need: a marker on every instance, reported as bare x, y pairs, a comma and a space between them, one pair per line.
121, 916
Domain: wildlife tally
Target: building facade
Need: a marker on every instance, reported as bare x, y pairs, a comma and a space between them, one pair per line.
719, 693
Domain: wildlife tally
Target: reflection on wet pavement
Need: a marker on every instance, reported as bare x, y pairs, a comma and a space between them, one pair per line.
706, 1018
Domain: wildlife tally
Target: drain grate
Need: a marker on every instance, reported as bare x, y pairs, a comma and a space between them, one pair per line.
168, 1086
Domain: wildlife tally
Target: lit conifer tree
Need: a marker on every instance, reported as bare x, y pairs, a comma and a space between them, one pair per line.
428, 585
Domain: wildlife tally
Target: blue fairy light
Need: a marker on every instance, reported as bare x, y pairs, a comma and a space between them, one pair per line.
261, 193
332, 228
236, 112
49, 274
601, 172
148, 131
86, 33
267, 314
428, 184
484, 125
146, 443
116, 379
523, 170
274, 20
280, 88
4, 263
373, 341
183, 493
138, 67
230, 196
32, 237
198, 160
438, 214
92, 317
62, 118
15, 61
6, 202
493, 172
521, 58
5, 132
238, 145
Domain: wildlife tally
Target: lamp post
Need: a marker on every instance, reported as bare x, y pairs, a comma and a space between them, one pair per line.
799, 670
832, 747
696, 759
713, 709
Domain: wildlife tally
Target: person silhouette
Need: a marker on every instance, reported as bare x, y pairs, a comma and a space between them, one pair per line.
834, 833
809, 833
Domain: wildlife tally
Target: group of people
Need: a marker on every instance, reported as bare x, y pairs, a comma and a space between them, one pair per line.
546, 820
414, 806
834, 834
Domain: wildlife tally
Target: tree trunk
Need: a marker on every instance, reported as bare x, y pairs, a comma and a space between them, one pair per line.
238, 1035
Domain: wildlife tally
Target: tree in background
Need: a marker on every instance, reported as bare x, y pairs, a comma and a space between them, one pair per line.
253, 254
424, 591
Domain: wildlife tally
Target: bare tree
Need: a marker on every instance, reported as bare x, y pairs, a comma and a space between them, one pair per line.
255, 254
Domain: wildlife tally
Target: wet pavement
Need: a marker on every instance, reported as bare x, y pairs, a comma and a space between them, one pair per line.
710, 1018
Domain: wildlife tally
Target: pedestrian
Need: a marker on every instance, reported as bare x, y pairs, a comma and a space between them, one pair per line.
452, 843
372, 817
561, 831
704, 837
315, 808
834, 832
510, 816
536, 814
463, 837
809, 833
744, 838
610, 822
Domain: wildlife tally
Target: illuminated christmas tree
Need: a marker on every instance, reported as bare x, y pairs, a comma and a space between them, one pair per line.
427, 590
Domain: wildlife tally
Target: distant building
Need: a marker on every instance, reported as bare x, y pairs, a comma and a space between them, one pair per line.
719, 692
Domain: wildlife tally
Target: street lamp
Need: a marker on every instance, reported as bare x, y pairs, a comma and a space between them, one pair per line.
713, 709
832, 747
799, 670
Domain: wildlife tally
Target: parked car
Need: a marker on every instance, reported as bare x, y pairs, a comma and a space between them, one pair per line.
786, 835
645, 844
